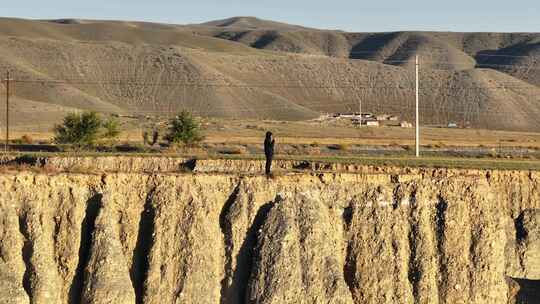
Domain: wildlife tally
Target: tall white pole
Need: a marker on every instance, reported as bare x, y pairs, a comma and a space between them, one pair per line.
417, 114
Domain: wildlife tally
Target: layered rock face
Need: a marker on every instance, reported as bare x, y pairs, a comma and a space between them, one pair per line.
421, 236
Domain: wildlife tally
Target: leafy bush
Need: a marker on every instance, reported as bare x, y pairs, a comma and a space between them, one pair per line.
184, 129
84, 129
80, 129
111, 128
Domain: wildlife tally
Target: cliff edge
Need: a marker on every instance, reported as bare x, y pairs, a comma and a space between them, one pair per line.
426, 236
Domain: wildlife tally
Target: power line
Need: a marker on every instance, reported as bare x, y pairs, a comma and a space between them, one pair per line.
508, 56
206, 85
410, 51
257, 85
482, 65
462, 63
423, 53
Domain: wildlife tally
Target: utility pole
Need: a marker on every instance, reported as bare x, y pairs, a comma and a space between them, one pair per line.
6, 145
417, 114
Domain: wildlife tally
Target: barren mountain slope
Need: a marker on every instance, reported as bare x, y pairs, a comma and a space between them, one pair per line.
444, 50
131, 67
252, 23
524, 64
306, 42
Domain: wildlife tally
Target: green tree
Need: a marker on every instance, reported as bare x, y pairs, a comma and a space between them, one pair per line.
111, 128
184, 129
78, 128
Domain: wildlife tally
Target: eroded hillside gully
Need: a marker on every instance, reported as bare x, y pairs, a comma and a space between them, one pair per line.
413, 236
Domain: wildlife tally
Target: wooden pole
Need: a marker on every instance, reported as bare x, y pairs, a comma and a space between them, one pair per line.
417, 114
6, 145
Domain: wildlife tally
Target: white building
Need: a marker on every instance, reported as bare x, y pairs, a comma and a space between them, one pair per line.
405, 124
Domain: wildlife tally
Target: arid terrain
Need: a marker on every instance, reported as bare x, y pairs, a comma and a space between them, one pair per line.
247, 68
304, 139
163, 230
347, 216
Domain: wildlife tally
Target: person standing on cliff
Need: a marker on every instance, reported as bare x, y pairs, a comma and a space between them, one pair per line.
269, 151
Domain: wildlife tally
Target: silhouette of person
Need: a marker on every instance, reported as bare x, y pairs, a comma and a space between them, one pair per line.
269, 151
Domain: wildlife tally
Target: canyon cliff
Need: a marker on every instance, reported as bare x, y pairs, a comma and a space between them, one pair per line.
391, 235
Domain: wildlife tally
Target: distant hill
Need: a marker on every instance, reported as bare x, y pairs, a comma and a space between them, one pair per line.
250, 68
252, 23
512, 53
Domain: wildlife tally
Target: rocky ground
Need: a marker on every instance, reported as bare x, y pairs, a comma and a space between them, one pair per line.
369, 235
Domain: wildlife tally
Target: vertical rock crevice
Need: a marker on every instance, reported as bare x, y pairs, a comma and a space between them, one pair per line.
440, 228
413, 268
225, 226
349, 265
349, 269
239, 260
144, 243
521, 237
440, 222
247, 253
87, 228
26, 254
